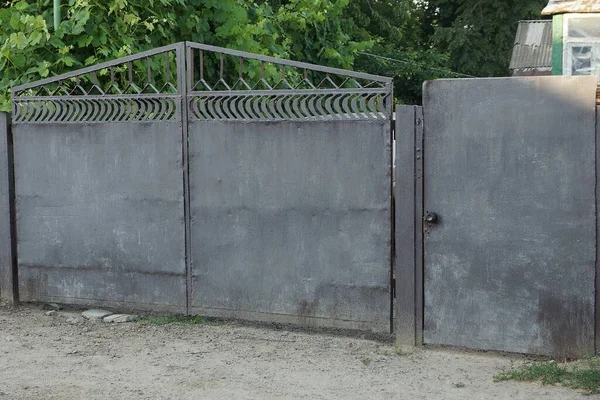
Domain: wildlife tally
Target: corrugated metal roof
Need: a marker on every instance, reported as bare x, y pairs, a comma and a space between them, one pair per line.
571, 6
533, 46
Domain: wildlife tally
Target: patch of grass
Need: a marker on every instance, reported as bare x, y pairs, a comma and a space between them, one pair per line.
365, 360
586, 379
172, 319
549, 373
584, 375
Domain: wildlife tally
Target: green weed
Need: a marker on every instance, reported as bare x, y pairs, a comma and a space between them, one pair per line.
584, 375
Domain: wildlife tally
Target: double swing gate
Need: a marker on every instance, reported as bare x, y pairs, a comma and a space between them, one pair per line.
202, 180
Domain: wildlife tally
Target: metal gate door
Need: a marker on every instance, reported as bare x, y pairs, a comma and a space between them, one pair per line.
509, 214
99, 184
290, 200
211, 181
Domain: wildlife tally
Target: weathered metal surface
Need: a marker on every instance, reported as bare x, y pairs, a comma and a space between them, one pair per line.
571, 6
291, 222
510, 171
100, 215
8, 292
597, 280
81, 202
533, 47
408, 215
405, 212
419, 185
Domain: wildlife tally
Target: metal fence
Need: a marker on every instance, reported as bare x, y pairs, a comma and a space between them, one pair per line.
199, 179
203, 180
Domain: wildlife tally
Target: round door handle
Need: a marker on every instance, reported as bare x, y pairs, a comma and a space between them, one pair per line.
431, 218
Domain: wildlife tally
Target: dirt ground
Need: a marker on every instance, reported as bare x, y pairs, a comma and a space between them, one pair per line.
63, 357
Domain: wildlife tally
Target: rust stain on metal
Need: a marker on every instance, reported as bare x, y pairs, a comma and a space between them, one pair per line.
308, 308
566, 324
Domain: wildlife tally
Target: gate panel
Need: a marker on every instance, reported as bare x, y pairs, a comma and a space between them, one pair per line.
290, 191
291, 222
100, 213
509, 170
99, 185
201, 179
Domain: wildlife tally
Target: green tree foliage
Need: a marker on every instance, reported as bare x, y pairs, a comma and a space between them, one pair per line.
403, 49
477, 35
411, 40
430, 39
313, 31
92, 31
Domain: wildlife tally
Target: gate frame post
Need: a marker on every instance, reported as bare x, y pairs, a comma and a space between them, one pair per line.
409, 228
9, 289
597, 279
419, 245
184, 78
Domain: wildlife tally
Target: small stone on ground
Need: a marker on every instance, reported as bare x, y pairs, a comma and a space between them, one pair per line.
117, 318
74, 320
95, 314
50, 313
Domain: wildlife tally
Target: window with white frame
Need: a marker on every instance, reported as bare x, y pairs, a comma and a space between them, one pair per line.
582, 45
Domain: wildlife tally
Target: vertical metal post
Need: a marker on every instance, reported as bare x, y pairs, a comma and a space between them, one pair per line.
390, 148
597, 278
405, 211
8, 260
409, 226
419, 243
184, 70
56, 14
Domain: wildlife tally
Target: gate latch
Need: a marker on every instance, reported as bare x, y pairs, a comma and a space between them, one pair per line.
431, 217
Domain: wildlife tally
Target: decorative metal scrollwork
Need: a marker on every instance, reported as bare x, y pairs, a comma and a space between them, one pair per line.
213, 82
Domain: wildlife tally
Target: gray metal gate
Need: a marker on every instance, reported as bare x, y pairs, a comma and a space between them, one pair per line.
99, 184
206, 180
505, 217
